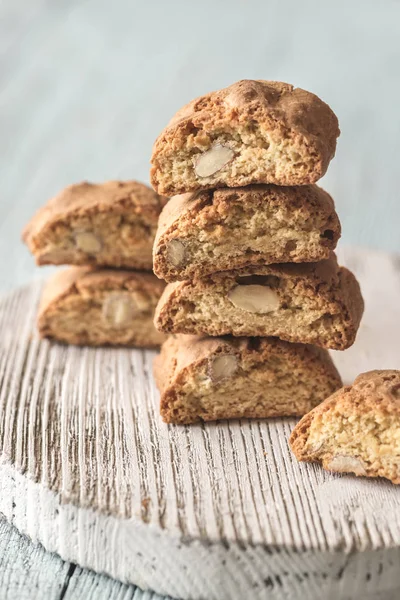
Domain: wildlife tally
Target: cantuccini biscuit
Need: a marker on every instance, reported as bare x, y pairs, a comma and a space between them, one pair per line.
108, 224
356, 430
314, 303
217, 230
91, 307
250, 132
231, 378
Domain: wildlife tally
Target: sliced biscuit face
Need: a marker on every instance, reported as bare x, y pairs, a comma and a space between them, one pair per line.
314, 303
250, 132
219, 230
110, 224
203, 379
91, 307
356, 430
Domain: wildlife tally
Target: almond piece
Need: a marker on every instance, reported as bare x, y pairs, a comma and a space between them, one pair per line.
346, 464
222, 367
312, 449
87, 242
118, 309
257, 299
140, 300
186, 196
213, 160
175, 253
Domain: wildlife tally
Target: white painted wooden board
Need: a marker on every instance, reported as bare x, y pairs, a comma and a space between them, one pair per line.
212, 511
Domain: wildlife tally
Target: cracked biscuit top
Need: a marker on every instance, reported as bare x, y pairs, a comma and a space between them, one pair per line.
249, 132
210, 231
108, 224
202, 378
311, 303
87, 306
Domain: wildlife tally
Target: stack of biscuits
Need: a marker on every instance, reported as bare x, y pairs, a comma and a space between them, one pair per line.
255, 296
107, 231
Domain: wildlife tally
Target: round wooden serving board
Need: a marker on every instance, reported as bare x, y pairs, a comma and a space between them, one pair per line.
215, 511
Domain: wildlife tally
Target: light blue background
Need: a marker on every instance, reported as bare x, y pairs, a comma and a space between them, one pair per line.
86, 86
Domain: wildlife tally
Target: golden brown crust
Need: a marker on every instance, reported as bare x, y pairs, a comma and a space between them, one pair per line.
227, 229
270, 367
277, 109
365, 421
72, 307
121, 215
319, 303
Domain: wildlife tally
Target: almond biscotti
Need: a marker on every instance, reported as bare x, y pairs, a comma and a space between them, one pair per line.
356, 430
314, 303
250, 132
109, 224
202, 379
100, 307
218, 230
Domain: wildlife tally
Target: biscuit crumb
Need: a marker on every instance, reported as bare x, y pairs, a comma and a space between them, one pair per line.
356, 430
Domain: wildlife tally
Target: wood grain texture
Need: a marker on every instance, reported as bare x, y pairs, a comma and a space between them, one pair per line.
25, 568
89, 470
27, 571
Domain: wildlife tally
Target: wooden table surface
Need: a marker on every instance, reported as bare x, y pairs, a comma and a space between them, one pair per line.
28, 572
86, 87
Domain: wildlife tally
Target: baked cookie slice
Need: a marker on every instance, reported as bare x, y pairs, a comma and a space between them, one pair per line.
108, 224
250, 132
312, 303
201, 233
91, 307
356, 430
203, 379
